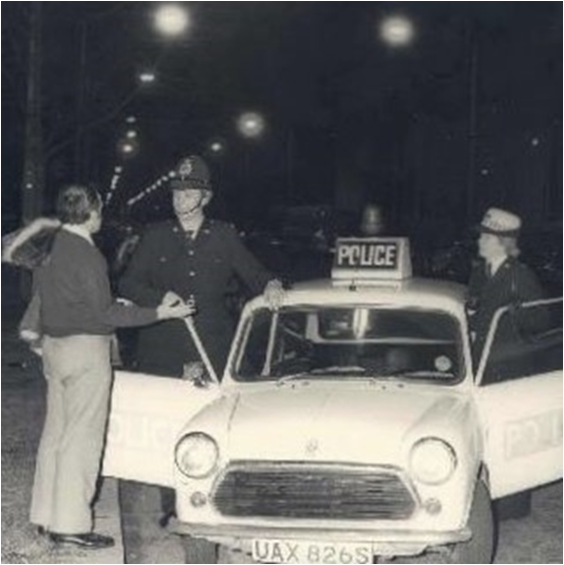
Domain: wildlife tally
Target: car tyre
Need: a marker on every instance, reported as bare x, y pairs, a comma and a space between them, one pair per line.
199, 550
480, 549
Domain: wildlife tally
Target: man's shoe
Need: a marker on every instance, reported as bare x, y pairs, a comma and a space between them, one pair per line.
86, 541
42, 530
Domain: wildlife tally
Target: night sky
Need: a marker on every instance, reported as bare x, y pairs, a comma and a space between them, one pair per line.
467, 115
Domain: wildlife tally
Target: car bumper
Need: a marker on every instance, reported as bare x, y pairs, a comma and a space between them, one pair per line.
383, 541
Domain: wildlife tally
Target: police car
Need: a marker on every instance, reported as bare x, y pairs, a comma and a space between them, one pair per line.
352, 425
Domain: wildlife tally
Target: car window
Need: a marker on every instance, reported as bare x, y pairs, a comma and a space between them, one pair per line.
350, 342
527, 341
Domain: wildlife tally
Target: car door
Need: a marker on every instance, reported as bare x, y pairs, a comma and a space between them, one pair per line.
147, 415
519, 397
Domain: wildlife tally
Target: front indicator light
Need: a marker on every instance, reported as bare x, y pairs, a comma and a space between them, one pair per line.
198, 499
433, 506
432, 461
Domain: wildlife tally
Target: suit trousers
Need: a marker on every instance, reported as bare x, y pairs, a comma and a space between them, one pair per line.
78, 373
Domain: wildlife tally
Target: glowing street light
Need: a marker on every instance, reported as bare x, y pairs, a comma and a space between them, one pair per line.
147, 77
216, 147
397, 31
128, 146
251, 124
171, 20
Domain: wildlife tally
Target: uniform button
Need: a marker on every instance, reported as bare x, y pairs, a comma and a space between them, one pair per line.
192, 273
175, 230
190, 252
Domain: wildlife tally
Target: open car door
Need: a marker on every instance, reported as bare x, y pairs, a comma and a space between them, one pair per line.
520, 397
147, 415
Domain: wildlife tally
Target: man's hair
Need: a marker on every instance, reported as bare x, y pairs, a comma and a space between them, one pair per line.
76, 202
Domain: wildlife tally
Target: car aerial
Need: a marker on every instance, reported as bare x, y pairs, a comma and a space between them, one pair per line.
352, 424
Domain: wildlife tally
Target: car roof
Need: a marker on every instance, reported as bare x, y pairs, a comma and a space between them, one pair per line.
416, 292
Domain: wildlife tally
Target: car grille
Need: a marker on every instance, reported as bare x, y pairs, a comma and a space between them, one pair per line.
287, 490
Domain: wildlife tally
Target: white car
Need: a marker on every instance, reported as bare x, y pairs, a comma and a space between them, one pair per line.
351, 425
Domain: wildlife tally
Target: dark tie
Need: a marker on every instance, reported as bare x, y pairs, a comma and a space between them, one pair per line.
489, 271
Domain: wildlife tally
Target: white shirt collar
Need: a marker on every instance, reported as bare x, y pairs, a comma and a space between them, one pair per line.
496, 263
79, 230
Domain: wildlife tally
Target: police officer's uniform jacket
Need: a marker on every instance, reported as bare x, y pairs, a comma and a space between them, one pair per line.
168, 259
513, 283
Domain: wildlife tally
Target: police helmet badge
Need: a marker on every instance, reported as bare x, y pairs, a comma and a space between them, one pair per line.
185, 168
191, 173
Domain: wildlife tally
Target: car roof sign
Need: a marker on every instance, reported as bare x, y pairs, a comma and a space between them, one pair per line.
371, 259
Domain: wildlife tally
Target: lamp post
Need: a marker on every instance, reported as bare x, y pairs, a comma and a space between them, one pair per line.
473, 76
33, 173
398, 32
251, 126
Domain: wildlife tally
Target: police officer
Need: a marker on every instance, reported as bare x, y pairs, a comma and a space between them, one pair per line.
191, 257
498, 278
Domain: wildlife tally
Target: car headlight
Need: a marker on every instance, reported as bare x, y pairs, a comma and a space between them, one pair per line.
432, 461
197, 455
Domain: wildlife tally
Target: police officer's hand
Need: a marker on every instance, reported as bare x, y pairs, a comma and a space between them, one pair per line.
274, 294
180, 310
171, 298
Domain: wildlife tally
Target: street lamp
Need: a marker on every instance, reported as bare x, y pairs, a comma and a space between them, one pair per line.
128, 147
251, 125
171, 20
147, 77
397, 31
216, 147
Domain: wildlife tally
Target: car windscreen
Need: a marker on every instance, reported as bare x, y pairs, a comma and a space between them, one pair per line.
349, 342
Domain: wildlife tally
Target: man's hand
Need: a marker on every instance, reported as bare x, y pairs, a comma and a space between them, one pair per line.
274, 294
45, 223
196, 373
171, 298
178, 311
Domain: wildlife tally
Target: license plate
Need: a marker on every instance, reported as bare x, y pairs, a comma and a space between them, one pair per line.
286, 551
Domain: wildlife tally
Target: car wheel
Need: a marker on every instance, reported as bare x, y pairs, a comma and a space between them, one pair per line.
480, 548
199, 550
514, 506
